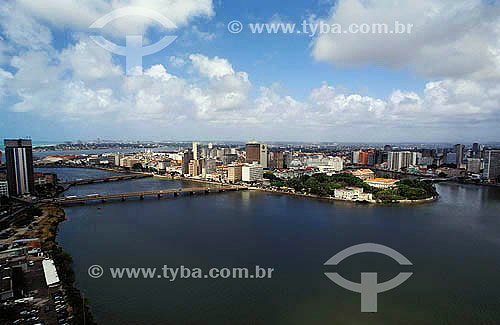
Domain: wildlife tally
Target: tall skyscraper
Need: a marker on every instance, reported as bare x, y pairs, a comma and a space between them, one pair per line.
20, 172
187, 156
252, 150
476, 150
196, 150
256, 152
459, 149
491, 164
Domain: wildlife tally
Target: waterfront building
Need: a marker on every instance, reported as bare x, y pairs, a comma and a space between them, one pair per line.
187, 156
474, 165
234, 173
252, 173
382, 182
352, 194
491, 164
195, 167
20, 172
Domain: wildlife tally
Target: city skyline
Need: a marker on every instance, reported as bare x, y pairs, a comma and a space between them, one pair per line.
428, 85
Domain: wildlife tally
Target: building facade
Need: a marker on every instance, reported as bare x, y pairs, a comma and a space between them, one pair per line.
491, 164
20, 171
252, 173
234, 173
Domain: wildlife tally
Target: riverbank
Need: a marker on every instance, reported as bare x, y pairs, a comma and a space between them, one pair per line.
52, 216
317, 197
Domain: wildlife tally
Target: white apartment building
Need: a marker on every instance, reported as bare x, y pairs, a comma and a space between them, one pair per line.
252, 173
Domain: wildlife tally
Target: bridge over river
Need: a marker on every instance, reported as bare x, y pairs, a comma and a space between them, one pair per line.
141, 195
104, 179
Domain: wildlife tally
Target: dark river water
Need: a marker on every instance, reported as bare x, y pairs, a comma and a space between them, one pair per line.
453, 244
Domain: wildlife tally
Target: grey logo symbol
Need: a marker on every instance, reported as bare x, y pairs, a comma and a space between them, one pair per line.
369, 287
133, 51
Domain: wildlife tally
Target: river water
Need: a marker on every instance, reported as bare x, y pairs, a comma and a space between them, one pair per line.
454, 245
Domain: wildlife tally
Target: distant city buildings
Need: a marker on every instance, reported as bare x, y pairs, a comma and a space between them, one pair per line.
20, 172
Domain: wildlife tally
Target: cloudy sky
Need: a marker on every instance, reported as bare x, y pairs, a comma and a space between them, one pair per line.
439, 83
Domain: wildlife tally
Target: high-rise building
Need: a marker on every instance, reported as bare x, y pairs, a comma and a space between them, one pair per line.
491, 164
476, 150
252, 150
234, 173
459, 150
256, 152
252, 173
400, 160
196, 150
20, 172
195, 167
187, 156
474, 165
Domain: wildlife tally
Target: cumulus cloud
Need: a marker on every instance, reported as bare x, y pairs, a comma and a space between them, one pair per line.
215, 68
449, 39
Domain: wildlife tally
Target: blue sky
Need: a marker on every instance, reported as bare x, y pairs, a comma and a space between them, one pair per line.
439, 83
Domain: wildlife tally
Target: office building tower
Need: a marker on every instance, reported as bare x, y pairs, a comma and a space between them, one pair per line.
491, 164
256, 152
187, 156
459, 150
20, 172
476, 150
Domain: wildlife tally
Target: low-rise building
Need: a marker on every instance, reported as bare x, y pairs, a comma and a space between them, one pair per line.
352, 194
364, 174
382, 182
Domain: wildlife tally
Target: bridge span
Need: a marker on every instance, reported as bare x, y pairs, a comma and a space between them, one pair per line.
105, 179
141, 195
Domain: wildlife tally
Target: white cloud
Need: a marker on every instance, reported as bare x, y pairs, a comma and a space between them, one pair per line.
215, 68
450, 39
81, 14
177, 62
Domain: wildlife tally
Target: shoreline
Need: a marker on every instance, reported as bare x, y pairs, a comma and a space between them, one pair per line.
54, 215
374, 202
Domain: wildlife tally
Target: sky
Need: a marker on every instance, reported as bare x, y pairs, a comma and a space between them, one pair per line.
439, 83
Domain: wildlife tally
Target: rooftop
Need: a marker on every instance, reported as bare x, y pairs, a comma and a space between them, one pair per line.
382, 180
